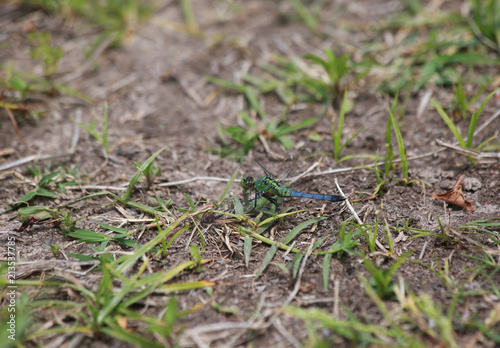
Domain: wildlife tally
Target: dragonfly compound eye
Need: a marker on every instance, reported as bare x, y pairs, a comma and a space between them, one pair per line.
247, 182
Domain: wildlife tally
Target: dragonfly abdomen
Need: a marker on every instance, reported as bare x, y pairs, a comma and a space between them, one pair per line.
331, 198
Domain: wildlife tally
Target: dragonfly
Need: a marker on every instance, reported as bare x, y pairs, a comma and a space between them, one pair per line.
271, 188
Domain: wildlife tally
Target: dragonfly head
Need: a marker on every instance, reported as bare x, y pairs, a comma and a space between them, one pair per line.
247, 182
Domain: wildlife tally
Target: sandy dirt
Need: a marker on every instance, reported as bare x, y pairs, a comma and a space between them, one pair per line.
158, 96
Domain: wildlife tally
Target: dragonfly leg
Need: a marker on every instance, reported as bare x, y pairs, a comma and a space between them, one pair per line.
259, 195
254, 200
271, 199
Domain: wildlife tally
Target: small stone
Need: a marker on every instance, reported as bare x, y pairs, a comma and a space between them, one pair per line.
472, 184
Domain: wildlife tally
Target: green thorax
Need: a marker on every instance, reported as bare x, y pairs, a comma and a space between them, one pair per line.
269, 186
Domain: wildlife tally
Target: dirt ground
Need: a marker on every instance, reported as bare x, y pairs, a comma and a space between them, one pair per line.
157, 96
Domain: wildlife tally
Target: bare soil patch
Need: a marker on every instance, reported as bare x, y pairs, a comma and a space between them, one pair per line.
157, 96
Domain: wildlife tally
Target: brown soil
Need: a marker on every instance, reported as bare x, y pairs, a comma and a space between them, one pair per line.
147, 83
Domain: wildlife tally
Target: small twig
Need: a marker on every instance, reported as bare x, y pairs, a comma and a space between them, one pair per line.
269, 151
29, 267
423, 103
191, 93
196, 331
31, 158
315, 300
470, 152
287, 335
197, 339
336, 288
116, 86
482, 157
487, 122
290, 248
116, 252
76, 131
310, 169
299, 276
353, 212
97, 187
381, 163
16, 129
196, 178
124, 187
257, 312
351, 208
423, 251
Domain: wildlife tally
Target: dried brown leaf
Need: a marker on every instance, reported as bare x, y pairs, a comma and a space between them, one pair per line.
455, 196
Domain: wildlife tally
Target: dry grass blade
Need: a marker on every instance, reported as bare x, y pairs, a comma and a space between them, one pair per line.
175, 264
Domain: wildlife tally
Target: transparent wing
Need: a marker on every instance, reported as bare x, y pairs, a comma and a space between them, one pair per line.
284, 179
265, 170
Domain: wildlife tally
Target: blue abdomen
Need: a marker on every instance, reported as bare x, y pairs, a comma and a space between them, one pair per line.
331, 198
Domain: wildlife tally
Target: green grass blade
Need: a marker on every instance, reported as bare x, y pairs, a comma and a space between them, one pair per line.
247, 249
304, 14
228, 186
113, 228
253, 98
296, 264
114, 330
287, 129
89, 236
35, 209
389, 154
399, 138
174, 237
449, 123
176, 270
347, 143
293, 233
136, 176
475, 118
268, 258
105, 128
340, 124
326, 270
128, 260
115, 301
189, 17
227, 84
271, 219
472, 128
282, 267
238, 207
169, 288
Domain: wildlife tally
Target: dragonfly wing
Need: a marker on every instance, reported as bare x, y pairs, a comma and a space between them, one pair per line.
265, 170
285, 178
